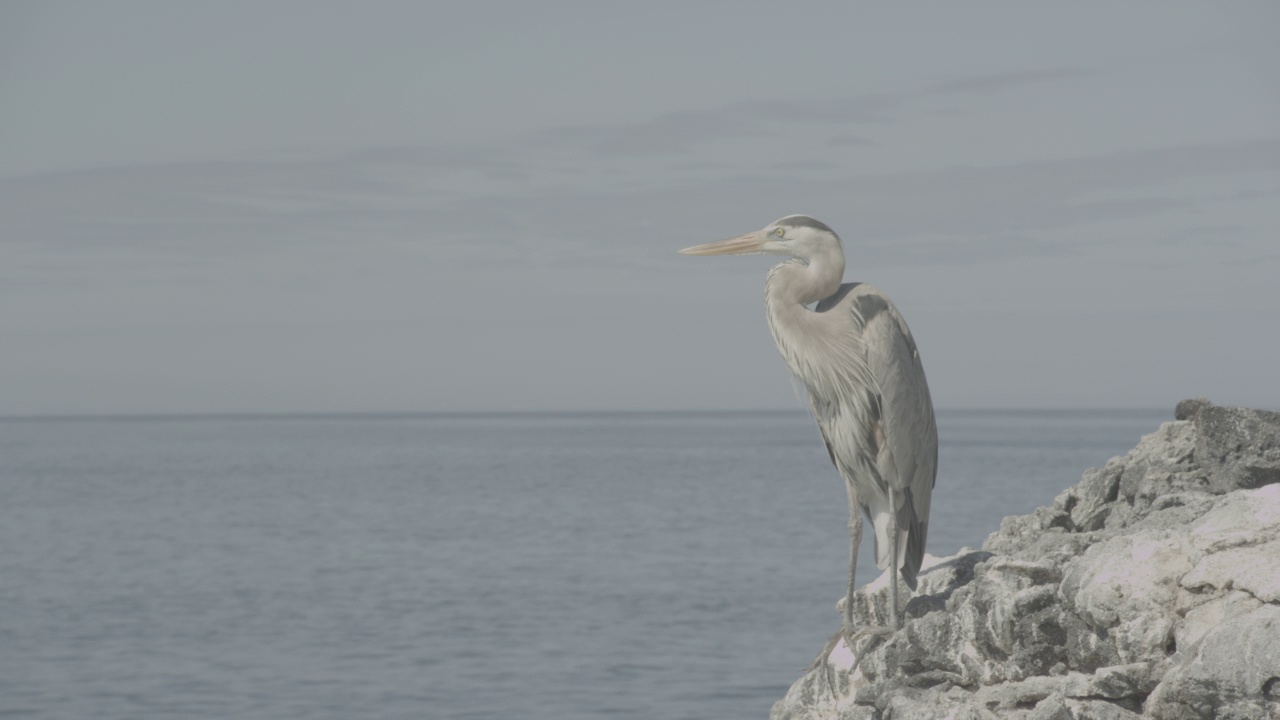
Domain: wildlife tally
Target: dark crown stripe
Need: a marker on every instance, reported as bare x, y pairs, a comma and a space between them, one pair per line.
804, 221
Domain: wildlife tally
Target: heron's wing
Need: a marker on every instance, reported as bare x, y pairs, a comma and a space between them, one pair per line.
818, 416
906, 414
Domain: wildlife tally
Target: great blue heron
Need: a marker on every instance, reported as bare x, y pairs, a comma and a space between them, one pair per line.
855, 355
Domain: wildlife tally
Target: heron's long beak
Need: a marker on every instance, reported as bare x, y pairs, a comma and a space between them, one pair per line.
752, 242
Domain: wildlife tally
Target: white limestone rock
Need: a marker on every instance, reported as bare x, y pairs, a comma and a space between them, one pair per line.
1151, 589
1232, 673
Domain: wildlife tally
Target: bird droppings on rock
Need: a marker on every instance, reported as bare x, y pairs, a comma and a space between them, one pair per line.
1150, 589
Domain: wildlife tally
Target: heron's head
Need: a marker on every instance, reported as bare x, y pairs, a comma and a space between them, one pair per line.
797, 236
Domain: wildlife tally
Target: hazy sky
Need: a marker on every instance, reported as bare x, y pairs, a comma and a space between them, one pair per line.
256, 207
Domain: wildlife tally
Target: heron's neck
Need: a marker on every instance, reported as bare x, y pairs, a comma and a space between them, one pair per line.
797, 283
790, 287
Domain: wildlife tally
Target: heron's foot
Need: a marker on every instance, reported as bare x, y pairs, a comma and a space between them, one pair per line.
867, 631
821, 660
824, 661
861, 641
852, 638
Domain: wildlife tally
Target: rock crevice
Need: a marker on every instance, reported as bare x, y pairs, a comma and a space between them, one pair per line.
1151, 588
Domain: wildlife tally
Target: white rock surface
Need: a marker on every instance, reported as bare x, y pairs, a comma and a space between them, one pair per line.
1151, 589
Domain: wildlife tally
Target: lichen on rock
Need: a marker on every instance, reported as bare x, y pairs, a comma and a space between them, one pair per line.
1150, 589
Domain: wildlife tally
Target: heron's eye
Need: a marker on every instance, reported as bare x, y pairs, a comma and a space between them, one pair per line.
779, 232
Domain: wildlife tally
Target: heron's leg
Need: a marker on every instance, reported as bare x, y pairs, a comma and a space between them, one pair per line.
846, 627
894, 621
855, 539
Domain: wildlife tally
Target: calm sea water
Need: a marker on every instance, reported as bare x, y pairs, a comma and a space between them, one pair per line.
492, 566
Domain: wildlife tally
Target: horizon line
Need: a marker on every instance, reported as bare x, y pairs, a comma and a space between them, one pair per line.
389, 414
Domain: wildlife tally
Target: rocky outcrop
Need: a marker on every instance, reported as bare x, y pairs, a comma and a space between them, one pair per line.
1150, 589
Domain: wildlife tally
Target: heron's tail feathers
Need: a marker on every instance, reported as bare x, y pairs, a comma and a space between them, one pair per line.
914, 554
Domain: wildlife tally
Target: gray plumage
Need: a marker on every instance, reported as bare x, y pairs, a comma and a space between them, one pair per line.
859, 363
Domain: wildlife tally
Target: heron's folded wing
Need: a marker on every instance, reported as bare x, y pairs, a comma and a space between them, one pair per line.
906, 408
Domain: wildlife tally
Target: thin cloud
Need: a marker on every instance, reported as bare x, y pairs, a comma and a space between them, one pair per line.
848, 141
999, 82
957, 202
684, 132
803, 165
610, 190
